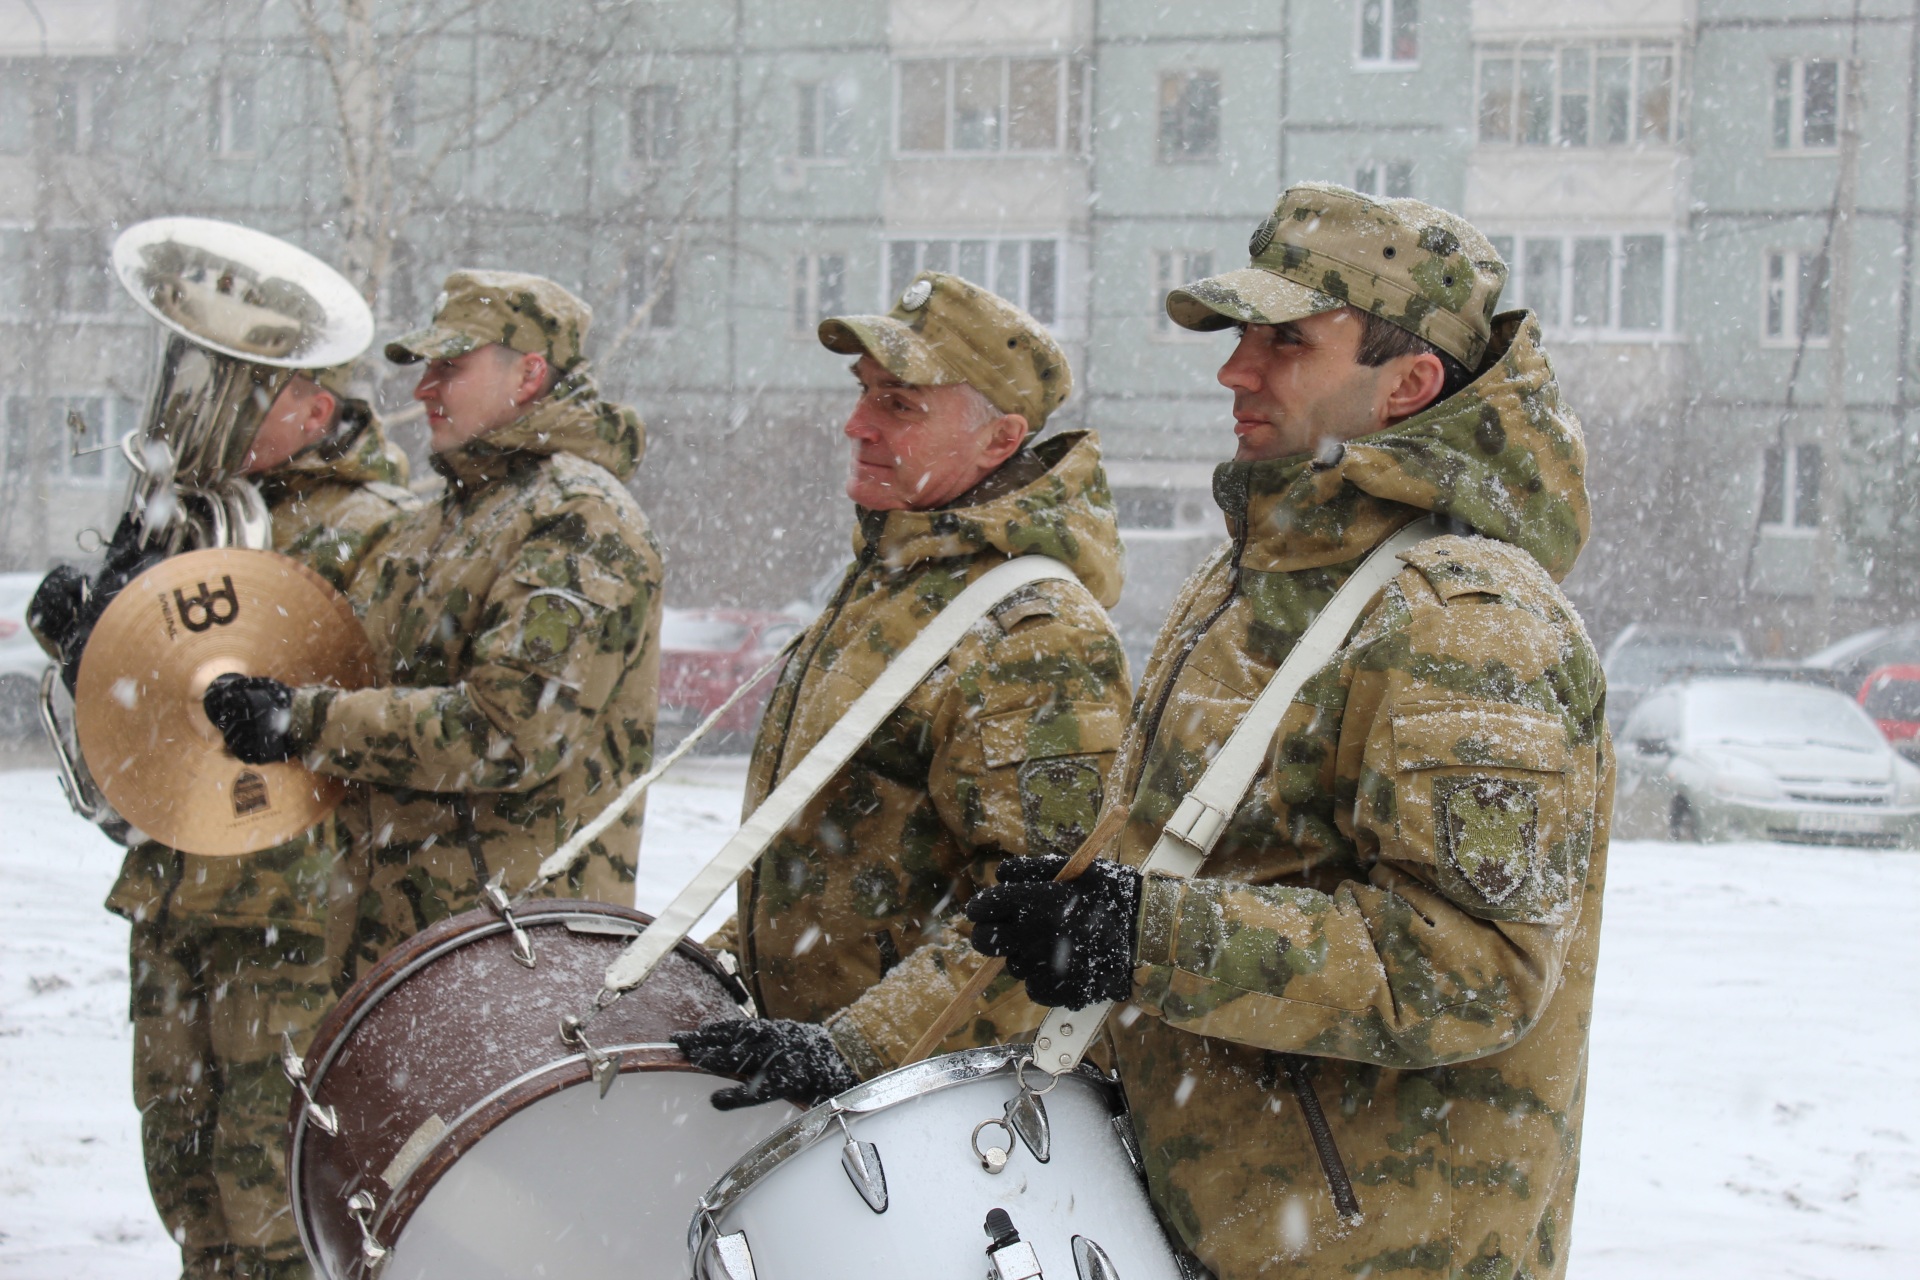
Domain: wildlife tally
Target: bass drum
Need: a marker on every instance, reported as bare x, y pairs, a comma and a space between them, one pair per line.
447, 1130
900, 1176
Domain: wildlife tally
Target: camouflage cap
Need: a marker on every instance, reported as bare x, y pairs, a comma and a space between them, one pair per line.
338, 380
476, 308
945, 330
1325, 247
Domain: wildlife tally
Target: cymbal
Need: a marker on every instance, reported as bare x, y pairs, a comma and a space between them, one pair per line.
163, 640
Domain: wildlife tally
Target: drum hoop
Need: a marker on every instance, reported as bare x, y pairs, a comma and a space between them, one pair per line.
878, 1094
556, 911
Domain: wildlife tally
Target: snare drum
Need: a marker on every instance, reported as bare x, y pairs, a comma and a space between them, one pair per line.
447, 1130
897, 1177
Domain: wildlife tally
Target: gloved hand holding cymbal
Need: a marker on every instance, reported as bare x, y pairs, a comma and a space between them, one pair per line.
253, 714
1070, 941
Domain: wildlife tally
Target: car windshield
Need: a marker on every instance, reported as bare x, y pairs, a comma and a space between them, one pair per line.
1754, 714
692, 633
1647, 664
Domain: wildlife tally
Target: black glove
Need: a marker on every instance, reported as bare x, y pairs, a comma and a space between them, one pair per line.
67, 603
1071, 942
252, 714
776, 1057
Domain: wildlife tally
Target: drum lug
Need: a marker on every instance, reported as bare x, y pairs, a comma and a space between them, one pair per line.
993, 1158
734, 1257
360, 1207
1027, 1116
603, 1066
495, 894
1091, 1261
325, 1119
1012, 1257
861, 1160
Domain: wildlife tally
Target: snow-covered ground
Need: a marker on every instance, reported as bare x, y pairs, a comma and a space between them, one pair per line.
1752, 1113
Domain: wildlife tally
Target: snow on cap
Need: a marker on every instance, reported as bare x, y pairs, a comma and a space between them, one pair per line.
530, 314
945, 331
1324, 247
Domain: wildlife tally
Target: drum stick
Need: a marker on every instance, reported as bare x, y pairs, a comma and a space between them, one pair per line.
1109, 825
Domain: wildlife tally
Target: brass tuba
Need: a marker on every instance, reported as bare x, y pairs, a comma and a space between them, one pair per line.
243, 312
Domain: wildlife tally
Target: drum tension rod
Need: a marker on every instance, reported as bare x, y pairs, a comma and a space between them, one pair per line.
360, 1207
325, 1119
495, 894
604, 1066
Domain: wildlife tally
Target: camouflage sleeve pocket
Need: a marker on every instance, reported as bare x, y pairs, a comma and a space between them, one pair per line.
560, 622
1050, 730
1479, 796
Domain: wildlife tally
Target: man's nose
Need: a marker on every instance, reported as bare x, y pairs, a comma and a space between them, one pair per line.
861, 424
1239, 373
427, 387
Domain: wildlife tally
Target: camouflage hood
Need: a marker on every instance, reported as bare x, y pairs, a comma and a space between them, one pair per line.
1504, 456
570, 419
1049, 500
359, 453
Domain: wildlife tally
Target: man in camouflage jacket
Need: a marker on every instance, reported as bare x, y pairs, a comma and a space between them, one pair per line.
516, 621
1001, 750
1355, 1043
227, 953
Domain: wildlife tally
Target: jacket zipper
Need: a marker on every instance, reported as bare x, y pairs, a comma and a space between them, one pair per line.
1345, 1203
828, 617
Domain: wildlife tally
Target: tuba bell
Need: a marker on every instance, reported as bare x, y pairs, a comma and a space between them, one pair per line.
242, 312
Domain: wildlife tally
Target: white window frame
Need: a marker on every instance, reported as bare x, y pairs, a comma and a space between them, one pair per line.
1789, 525
654, 153
1791, 273
1520, 290
1169, 269
1377, 170
643, 269
995, 246
117, 415
225, 147
835, 95
1068, 139
806, 308
1160, 153
1634, 51
1385, 61
1797, 105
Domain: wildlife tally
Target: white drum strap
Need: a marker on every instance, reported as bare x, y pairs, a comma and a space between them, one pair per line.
1065, 1034
901, 677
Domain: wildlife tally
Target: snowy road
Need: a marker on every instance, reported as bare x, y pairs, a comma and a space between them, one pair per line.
1752, 1112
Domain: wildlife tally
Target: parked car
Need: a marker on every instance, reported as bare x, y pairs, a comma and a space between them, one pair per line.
1891, 695
1642, 658
1756, 758
705, 654
21, 660
1845, 664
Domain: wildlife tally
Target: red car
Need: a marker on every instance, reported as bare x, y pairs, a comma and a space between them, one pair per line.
705, 654
1891, 695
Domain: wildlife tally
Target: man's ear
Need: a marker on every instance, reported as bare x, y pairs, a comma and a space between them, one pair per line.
533, 378
321, 406
1005, 435
1416, 384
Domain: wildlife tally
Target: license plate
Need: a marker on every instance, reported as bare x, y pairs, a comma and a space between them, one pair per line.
1849, 823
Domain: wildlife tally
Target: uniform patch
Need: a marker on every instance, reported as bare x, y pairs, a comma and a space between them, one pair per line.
1056, 798
1488, 830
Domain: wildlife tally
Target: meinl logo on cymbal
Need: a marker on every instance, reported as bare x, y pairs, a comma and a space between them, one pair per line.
249, 793
202, 612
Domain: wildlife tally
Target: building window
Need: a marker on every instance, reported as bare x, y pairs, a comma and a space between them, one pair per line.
77, 274
90, 459
1024, 272
980, 105
654, 124
650, 291
1579, 95
1617, 287
83, 116
819, 290
825, 120
1189, 116
403, 114
1790, 487
16, 114
233, 130
1806, 104
1389, 33
1796, 298
1171, 269
1392, 179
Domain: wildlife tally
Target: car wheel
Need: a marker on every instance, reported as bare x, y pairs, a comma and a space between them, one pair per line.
1681, 822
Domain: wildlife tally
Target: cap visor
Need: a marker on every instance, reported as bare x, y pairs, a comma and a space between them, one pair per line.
900, 351
431, 344
1250, 296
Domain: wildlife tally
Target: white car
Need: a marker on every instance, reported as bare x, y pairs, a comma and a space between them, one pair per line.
1752, 758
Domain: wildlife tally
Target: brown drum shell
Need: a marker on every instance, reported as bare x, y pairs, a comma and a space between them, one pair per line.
445, 1025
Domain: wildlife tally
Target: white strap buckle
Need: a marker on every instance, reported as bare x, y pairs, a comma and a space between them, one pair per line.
1197, 823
